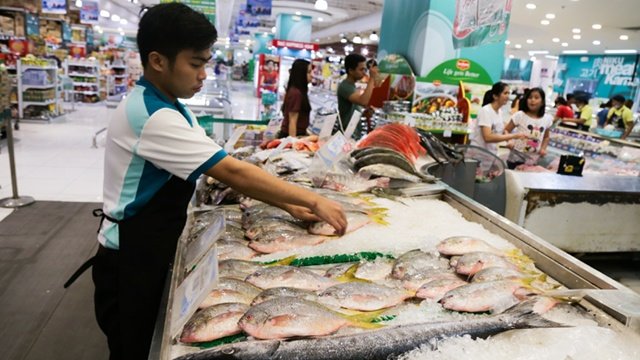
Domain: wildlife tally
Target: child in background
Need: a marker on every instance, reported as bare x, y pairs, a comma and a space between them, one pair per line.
533, 122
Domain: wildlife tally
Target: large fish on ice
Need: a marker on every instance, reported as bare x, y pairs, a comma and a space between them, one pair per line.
289, 276
214, 323
378, 344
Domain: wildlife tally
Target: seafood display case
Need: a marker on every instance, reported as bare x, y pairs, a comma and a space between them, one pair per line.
611, 304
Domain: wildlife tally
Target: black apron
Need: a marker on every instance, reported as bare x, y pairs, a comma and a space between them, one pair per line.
618, 120
129, 282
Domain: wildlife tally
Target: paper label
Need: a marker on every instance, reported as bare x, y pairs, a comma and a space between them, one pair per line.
198, 247
327, 156
410, 120
235, 136
327, 126
353, 123
447, 133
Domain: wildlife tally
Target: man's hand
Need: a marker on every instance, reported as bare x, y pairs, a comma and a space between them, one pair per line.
301, 212
543, 152
331, 212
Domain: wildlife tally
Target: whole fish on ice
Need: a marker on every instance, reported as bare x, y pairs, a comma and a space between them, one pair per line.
277, 292
472, 262
229, 290
460, 245
289, 276
237, 269
493, 296
213, 323
363, 296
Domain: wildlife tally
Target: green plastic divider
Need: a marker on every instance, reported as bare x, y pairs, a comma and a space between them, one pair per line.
335, 259
384, 318
211, 119
222, 341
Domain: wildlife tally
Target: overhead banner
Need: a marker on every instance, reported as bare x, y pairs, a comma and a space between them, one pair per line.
33, 24
54, 6
90, 12
517, 69
259, 7
600, 76
293, 27
207, 7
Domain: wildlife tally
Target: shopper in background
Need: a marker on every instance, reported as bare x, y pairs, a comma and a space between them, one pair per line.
620, 116
603, 113
155, 151
564, 111
571, 102
490, 127
349, 98
584, 115
534, 123
296, 107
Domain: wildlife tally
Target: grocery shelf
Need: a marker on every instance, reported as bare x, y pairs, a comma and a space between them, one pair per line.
32, 67
83, 75
85, 92
47, 86
77, 83
38, 103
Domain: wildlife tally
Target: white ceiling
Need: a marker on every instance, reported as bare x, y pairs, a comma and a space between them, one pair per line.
617, 17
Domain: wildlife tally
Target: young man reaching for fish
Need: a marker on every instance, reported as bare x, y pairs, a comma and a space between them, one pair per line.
155, 152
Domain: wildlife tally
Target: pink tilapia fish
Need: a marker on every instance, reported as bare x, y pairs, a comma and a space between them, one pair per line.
277, 292
282, 240
232, 249
497, 273
286, 317
416, 262
338, 270
268, 225
363, 296
493, 296
237, 269
471, 263
435, 289
376, 270
460, 245
229, 290
415, 281
355, 220
353, 183
289, 276
213, 323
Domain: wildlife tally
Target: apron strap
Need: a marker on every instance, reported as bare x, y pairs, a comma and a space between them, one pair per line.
87, 264
99, 213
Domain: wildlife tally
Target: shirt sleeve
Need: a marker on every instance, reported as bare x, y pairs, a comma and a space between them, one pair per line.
170, 143
627, 116
484, 119
344, 91
586, 113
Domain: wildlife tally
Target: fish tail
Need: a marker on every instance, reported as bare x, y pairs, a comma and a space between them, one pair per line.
379, 219
527, 314
364, 319
350, 275
377, 210
284, 261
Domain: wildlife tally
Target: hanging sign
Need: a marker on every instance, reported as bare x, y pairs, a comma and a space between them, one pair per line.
33, 24
66, 32
259, 7
90, 12
54, 6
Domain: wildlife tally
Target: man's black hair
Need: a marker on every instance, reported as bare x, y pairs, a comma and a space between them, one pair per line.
582, 99
351, 61
172, 27
619, 98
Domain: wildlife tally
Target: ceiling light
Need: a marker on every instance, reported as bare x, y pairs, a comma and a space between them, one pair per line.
321, 5
120, 29
298, 13
357, 39
538, 52
544, 22
343, 40
104, 13
576, 31
624, 37
78, 3
621, 51
507, 42
596, 26
565, 44
273, 29
577, 37
99, 31
596, 42
115, 17
518, 46
575, 52
365, 51
552, 57
555, 40
121, 33
511, 56
374, 36
124, 21
531, 6
529, 41
320, 19
533, 58
550, 16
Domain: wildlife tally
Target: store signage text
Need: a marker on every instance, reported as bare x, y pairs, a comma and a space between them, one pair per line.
615, 71
460, 73
295, 45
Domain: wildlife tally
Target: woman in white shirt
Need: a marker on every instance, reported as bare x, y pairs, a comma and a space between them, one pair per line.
490, 128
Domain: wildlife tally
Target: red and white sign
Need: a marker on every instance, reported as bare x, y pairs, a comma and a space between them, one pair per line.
463, 64
295, 45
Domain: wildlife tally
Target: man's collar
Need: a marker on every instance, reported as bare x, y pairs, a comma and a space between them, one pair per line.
147, 84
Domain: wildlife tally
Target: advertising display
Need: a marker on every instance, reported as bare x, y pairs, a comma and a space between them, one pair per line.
54, 6
259, 7
90, 12
268, 73
599, 76
293, 27
518, 69
32, 24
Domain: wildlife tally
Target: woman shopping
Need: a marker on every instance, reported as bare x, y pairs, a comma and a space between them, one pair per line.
490, 128
296, 107
534, 124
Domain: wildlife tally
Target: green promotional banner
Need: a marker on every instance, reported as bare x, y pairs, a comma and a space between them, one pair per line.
207, 7
455, 70
293, 27
33, 24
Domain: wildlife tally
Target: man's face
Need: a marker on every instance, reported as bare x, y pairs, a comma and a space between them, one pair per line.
359, 72
186, 76
616, 104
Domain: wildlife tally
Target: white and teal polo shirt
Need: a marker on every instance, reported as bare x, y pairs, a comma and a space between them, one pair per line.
149, 140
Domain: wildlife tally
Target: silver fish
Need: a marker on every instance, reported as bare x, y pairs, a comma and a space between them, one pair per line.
436, 289
472, 262
497, 273
493, 296
379, 344
416, 262
388, 171
276, 292
376, 270
282, 240
237, 269
362, 296
289, 276
229, 290
460, 245
355, 220
339, 270
233, 249
213, 323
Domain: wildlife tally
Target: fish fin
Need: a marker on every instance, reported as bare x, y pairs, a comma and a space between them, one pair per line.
366, 325
350, 275
379, 219
518, 258
527, 314
365, 317
284, 261
281, 320
377, 210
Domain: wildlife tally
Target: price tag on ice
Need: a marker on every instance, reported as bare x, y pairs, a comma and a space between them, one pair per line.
327, 126
447, 133
410, 121
353, 123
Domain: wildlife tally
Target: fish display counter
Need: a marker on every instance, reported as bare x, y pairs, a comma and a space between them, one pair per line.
423, 230
592, 213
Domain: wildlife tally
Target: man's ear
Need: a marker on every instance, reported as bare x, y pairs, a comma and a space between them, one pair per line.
158, 61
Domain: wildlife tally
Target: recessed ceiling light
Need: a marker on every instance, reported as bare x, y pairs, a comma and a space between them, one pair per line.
550, 16
507, 42
624, 37
511, 56
529, 41
298, 13
555, 40
621, 51
552, 57
320, 19
596, 42
564, 44
533, 58
544, 22
531, 6
596, 26
518, 46
575, 52
576, 31
577, 37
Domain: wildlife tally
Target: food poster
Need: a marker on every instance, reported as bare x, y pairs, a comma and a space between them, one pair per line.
402, 81
259, 7
54, 6
598, 76
268, 74
90, 12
